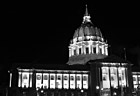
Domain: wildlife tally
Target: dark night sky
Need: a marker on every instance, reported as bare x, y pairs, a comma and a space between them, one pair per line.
41, 31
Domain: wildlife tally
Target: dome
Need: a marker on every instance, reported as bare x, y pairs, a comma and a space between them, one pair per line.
87, 43
87, 30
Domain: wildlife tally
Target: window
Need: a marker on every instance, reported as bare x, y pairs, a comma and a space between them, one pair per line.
75, 52
25, 77
84, 78
104, 77
87, 51
134, 78
52, 77
120, 78
138, 78
94, 49
65, 78
71, 78
45, 77
80, 51
112, 78
58, 78
78, 78
38, 77
100, 50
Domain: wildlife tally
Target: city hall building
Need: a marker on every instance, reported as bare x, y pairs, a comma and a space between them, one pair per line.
88, 72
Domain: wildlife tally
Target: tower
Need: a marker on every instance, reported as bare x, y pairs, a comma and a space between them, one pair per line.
87, 43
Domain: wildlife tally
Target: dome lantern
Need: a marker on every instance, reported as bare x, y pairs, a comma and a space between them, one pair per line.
87, 17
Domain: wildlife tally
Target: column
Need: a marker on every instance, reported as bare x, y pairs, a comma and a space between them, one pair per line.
77, 50
89, 49
19, 79
97, 49
84, 50
30, 76
103, 52
106, 50
10, 79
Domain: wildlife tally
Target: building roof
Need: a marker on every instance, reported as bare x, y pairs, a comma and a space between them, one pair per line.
112, 59
50, 66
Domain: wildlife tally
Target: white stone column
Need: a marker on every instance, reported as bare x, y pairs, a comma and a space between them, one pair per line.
70, 52
77, 50
19, 79
97, 48
103, 49
106, 50
91, 47
84, 49
30, 76
10, 80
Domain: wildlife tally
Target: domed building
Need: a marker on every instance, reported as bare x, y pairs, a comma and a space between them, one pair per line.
88, 72
87, 43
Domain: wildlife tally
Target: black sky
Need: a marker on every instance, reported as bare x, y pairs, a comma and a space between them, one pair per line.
40, 32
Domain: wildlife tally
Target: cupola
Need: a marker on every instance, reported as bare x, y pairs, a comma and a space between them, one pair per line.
87, 43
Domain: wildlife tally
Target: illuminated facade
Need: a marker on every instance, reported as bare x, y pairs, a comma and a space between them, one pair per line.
136, 80
89, 71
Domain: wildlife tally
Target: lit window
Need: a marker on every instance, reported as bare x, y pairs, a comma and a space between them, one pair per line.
45, 77
58, 78
45, 80
65, 78
71, 78
85, 81
38, 77
25, 77
104, 71
104, 77
52, 77
78, 77
72, 81
134, 78
65, 81
138, 78
120, 78
38, 80
84, 78
112, 78
52, 81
